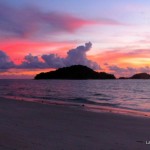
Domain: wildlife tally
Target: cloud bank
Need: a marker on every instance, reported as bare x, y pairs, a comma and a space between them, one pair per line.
74, 57
31, 62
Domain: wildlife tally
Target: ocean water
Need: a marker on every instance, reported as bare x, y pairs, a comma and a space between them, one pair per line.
128, 94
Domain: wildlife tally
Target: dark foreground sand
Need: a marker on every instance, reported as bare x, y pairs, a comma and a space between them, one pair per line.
34, 126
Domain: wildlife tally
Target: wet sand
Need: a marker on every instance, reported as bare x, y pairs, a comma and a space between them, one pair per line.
35, 126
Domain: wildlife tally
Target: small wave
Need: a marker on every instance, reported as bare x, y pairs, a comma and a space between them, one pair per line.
108, 104
44, 97
82, 100
10, 94
105, 99
100, 94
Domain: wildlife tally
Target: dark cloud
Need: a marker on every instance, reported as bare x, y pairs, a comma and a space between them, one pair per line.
74, 57
5, 62
117, 69
123, 71
32, 62
54, 61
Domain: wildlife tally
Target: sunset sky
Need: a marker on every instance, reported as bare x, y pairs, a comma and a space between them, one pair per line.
40, 35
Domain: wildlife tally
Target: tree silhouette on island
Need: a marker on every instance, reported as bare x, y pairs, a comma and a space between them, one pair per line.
75, 72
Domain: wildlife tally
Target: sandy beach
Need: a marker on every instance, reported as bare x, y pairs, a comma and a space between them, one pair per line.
35, 126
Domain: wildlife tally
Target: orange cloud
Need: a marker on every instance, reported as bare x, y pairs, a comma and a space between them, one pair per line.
123, 63
131, 58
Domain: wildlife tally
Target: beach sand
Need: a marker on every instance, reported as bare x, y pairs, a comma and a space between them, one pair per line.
35, 126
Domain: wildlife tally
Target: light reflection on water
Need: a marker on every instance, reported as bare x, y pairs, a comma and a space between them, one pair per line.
131, 94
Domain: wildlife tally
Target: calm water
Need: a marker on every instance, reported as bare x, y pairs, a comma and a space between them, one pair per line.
130, 94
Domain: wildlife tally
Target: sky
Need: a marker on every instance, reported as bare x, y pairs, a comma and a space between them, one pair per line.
38, 36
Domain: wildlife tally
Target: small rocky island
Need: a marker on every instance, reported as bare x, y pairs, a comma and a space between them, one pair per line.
140, 76
75, 72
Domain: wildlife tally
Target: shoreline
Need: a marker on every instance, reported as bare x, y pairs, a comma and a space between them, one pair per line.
86, 107
29, 125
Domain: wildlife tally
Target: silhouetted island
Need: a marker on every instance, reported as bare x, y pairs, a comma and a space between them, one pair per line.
74, 72
140, 76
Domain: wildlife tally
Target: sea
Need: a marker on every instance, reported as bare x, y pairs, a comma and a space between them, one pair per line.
125, 94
